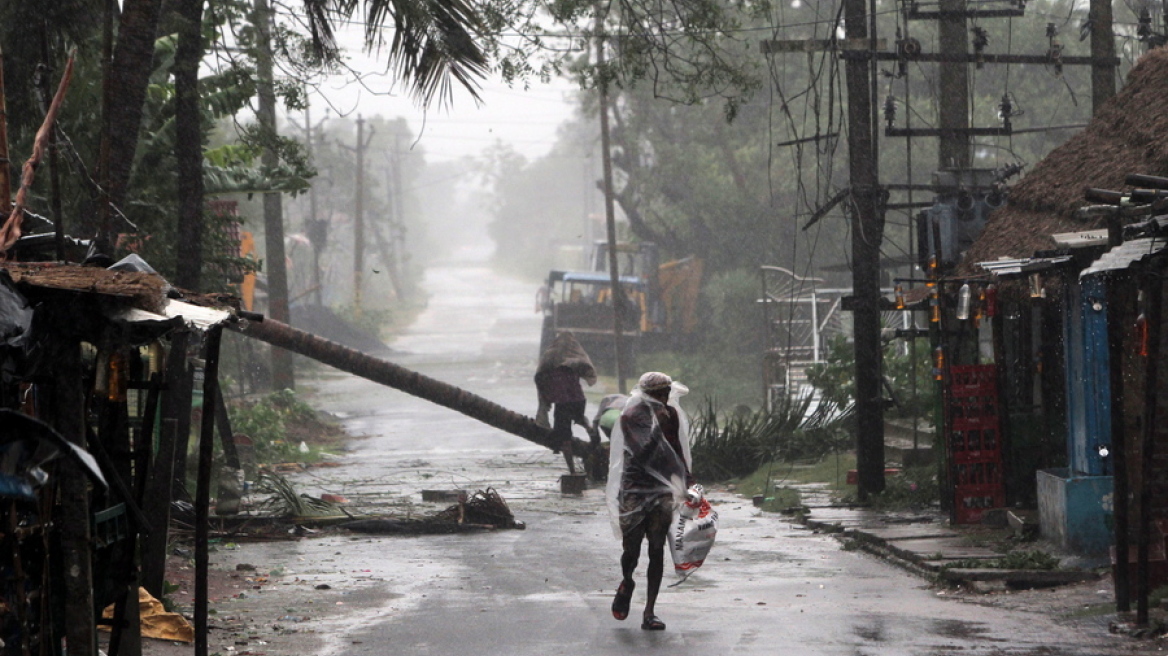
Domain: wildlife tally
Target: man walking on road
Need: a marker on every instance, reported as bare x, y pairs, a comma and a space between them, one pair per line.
648, 470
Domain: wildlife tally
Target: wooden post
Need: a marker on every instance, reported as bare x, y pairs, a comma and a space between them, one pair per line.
1115, 355
159, 487
1153, 300
867, 234
203, 484
5, 164
73, 517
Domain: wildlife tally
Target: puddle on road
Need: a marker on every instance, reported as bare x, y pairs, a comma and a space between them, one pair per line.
964, 630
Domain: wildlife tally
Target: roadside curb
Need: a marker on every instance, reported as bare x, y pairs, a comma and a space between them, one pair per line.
936, 566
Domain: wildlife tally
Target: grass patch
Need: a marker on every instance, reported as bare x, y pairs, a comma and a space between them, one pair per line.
783, 499
1092, 610
832, 470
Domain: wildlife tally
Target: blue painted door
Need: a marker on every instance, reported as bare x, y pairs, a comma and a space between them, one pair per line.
1088, 387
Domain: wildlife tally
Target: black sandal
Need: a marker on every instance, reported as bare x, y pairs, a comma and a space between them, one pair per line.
652, 623
624, 596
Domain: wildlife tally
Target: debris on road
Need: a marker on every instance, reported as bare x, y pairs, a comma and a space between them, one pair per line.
484, 510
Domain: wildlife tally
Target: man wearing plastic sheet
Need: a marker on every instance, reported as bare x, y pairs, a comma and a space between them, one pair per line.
648, 470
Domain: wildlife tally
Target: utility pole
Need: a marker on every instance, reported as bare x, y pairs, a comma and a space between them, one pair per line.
953, 83
283, 375
359, 211
398, 226
316, 228
1102, 52
618, 297
867, 233
390, 252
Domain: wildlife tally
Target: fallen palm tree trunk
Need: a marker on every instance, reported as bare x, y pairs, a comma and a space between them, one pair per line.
398, 377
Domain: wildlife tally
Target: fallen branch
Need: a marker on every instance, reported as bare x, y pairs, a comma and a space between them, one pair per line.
10, 232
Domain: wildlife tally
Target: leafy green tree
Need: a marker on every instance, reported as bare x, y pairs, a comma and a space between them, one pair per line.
910, 380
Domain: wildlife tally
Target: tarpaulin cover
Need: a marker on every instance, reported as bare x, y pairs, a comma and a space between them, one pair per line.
15, 314
156, 621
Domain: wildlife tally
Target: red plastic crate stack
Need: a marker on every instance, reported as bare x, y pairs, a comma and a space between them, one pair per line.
975, 442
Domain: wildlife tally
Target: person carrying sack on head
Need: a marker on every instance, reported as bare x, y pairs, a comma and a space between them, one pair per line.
648, 469
557, 380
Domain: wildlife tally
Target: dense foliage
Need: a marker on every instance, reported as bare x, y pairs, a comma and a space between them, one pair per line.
909, 382
738, 443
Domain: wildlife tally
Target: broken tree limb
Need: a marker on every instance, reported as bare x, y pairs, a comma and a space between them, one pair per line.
10, 231
398, 377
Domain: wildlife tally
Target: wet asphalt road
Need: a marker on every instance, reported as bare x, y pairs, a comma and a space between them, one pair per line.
768, 588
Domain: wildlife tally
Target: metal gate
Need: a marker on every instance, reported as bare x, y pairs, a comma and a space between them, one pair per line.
975, 442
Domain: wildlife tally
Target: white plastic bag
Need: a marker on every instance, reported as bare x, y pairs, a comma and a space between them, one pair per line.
695, 525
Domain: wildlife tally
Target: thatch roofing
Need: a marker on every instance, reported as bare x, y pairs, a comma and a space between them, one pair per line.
1129, 134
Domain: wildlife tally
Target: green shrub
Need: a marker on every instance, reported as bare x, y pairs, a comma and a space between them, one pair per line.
266, 423
739, 443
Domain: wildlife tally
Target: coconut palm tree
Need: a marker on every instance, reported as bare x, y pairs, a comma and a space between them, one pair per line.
435, 42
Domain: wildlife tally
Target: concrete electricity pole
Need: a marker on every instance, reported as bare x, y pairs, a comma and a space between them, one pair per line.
867, 234
618, 297
953, 83
359, 211
1102, 52
314, 226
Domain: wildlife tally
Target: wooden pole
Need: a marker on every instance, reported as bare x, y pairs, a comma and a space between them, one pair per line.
1154, 291
5, 163
73, 518
1115, 356
159, 488
203, 485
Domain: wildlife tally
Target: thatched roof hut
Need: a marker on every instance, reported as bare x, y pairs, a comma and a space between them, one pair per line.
1129, 134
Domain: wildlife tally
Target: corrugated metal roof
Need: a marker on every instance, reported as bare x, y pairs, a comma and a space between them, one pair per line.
1125, 255
1021, 266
